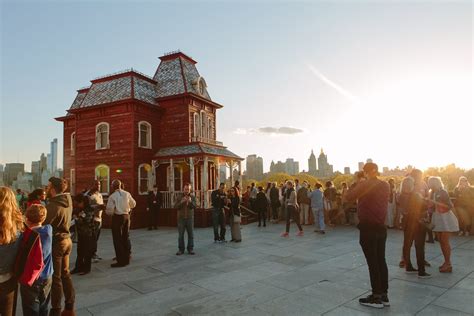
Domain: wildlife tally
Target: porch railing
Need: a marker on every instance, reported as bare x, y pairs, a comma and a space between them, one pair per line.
206, 140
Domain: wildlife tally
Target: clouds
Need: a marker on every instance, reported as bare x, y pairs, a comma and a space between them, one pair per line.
283, 130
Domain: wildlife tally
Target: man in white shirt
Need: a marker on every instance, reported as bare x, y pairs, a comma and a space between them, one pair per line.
119, 206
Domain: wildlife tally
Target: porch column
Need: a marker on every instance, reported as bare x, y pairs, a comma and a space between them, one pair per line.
171, 184
191, 172
231, 173
205, 177
239, 166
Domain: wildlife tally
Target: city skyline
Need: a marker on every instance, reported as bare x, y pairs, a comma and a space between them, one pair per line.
314, 81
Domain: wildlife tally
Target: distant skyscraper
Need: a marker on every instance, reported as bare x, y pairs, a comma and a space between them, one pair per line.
254, 166
11, 172
325, 170
347, 170
361, 166
369, 160
291, 166
312, 168
54, 155
1, 168
36, 173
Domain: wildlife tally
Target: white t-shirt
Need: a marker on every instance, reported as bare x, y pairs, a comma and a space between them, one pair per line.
120, 202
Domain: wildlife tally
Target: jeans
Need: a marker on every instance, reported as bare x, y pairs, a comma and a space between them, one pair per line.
120, 235
186, 224
8, 297
291, 212
414, 232
372, 240
62, 282
319, 218
85, 250
218, 220
35, 299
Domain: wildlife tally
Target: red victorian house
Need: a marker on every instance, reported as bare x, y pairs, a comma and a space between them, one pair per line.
147, 131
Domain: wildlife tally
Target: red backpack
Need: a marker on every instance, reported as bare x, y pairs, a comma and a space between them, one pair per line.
29, 260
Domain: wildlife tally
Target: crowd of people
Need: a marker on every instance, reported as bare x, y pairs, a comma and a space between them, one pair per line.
35, 231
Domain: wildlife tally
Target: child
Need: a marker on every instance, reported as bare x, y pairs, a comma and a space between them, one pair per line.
35, 299
86, 229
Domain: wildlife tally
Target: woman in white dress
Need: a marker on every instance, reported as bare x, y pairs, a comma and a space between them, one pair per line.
444, 220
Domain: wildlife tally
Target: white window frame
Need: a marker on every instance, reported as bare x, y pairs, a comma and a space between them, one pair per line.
72, 181
73, 144
148, 138
197, 125
108, 178
149, 175
97, 136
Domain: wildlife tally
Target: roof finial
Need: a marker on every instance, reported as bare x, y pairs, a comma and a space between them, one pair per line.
322, 152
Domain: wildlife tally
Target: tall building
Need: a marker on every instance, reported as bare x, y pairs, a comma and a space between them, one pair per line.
325, 170
369, 160
36, 173
1, 168
11, 172
347, 170
291, 166
254, 167
361, 165
312, 168
43, 162
54, 155
49, 163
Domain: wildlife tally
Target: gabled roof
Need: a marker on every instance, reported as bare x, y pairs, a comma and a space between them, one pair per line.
196, 150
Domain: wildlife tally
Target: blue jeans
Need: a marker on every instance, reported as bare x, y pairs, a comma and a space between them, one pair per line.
218, 221
35, 299
188, 225
319, 218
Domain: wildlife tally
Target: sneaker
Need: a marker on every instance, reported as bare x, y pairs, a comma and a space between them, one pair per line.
300, 233
322, 232
411, 271
179, 253
424, 275
371, 301
284, 234
385, 301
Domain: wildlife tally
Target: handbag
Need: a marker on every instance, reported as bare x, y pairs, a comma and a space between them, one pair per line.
237, 219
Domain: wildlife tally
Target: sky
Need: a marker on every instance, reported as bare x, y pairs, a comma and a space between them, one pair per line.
386, 80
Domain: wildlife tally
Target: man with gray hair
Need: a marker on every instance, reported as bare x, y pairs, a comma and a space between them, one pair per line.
119, 206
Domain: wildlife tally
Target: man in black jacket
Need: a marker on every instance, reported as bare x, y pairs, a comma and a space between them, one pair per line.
153, 206
261, 204
219, 200
274, 201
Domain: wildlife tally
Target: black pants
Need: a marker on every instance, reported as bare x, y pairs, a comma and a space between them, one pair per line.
414, 232
291, 212
372, 240
85, 250
261, 215
218, 221
8, 297
275, 211
120, 235
153, 223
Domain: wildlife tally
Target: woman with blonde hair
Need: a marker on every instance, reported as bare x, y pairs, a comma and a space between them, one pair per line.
444, 220
11, 227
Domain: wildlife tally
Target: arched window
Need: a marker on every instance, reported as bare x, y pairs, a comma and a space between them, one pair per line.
209, 129
73, 143
203, 125
144, 178
144, 134
102, 136
102, 173
197, 125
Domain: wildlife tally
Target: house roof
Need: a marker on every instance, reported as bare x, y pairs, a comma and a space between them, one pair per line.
176, 74
197, 149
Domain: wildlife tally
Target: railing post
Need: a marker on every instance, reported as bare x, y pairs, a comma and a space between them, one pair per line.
172, 181
204, 181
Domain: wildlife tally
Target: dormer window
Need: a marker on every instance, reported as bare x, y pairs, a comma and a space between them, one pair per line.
102, 136
144, 134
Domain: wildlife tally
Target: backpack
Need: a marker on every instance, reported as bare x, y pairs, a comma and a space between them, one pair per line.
29, 261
